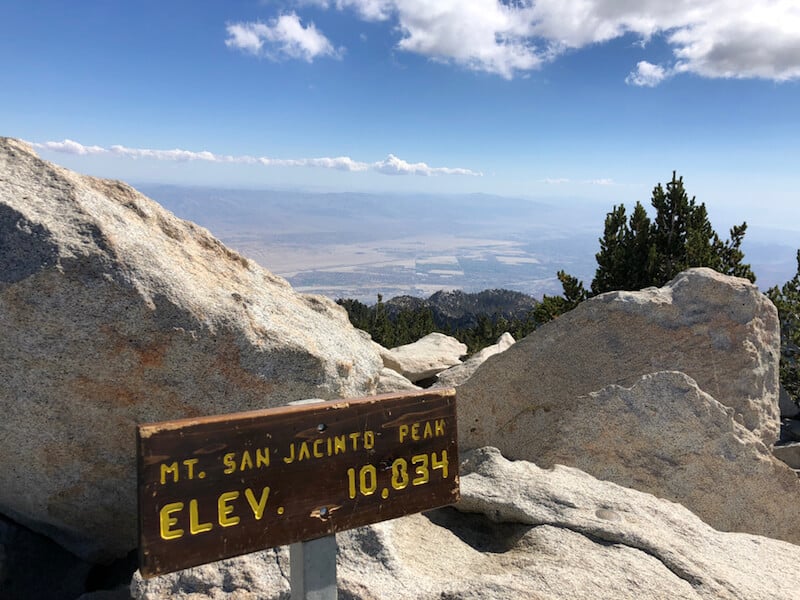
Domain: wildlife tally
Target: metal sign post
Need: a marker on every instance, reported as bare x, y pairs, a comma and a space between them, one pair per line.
312, 569
312, 564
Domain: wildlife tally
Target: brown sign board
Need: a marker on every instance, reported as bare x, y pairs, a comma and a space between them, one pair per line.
216, 487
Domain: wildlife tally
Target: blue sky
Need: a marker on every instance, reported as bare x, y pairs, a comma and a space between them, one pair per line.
597, 99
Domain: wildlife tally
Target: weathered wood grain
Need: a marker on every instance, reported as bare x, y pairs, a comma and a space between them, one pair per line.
216, 487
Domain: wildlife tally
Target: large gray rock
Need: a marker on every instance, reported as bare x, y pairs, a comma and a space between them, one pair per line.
545, 534
460, 373
426, 357
788, 453
114, 312
667, 437
714, 564
392, 381
719, 330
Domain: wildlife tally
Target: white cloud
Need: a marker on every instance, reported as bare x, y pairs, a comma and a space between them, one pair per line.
555, 180
603, 181
711, 38
482, 35
392, 165
246, 37
646, 75
579, 23
340, 163
397, 166
175, 155
284, 36
70, 147
750, 39
369, 10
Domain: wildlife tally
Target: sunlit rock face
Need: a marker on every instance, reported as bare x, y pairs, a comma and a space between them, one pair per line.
114, 312
672, 391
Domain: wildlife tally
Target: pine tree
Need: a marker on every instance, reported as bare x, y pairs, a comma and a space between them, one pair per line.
731, 255
670, 229
638, 252
612, 260
359, 313
627, 257
641, 253
552, 306
787, 301
381, 329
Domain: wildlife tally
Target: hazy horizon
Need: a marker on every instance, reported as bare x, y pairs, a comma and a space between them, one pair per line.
360, 245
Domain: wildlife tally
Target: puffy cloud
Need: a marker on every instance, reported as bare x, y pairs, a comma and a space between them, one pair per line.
397, 166
284, 36
711, 38
69, 147
246, 37
176, 155
579, 23
646, 75
483, 35
371, 10
749, 39
392, 165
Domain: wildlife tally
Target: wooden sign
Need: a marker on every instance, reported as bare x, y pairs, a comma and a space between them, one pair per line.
215, 487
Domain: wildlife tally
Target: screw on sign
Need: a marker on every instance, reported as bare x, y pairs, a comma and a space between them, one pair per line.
216, 487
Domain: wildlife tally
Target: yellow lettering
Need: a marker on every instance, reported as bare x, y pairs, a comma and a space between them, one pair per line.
318, 453
340, 444
224, 509
440, 464
190, 463
399, 474
262, 457
173, 468
247, 461
330, 446
369, 440
229, 462
354, 437
195, 526
303, 451
257, 506
167, 520
403, 432
290, 458
428, 433
420, 461
415, 432
439, 427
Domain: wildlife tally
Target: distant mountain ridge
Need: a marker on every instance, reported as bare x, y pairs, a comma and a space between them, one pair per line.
454, 309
